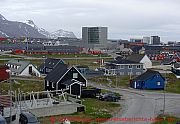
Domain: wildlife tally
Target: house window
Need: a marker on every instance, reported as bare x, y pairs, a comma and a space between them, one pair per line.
138, 73
158, 83
75, 75
138, 66
130, 66
120, 67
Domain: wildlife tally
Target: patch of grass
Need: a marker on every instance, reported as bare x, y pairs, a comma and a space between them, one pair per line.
94, 109
113, 81
167, 119
25, 86
154, 62
66, 55
173, 84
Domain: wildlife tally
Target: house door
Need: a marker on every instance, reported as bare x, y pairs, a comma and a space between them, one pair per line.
30, 69
75, 89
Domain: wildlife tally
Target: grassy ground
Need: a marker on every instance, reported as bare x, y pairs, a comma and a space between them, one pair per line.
154, 62
25, 86
113, 81
94, 109
167, 119
6, 56
71, 62
173, 84
66, 55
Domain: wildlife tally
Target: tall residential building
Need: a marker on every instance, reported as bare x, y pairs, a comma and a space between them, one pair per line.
94, 37
155, 40
146, 40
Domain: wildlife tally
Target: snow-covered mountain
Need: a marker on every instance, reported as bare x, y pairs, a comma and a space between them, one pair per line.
53, 35
40, 30
62, 33
28, 29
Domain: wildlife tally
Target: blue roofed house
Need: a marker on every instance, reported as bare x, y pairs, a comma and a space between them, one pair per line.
148, 80
49, 64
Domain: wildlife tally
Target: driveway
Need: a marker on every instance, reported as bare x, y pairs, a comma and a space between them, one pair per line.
142, 106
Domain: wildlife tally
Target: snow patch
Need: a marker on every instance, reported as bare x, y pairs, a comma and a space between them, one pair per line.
4, 34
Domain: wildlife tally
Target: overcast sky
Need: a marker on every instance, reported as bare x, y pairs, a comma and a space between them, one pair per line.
124, 18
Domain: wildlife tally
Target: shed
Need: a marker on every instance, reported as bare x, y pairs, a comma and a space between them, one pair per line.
4, 75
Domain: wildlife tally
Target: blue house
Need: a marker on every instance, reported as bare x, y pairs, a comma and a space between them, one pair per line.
148, 80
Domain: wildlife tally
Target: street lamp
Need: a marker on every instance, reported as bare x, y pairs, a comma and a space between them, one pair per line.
9, 71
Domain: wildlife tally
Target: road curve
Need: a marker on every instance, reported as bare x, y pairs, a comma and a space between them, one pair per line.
142, 107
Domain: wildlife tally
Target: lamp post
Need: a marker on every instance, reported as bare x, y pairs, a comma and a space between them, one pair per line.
9, 71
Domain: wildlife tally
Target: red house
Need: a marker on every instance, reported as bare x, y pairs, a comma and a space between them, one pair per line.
4, 75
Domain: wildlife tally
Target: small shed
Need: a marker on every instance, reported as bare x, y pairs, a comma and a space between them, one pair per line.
4, 75
148, 80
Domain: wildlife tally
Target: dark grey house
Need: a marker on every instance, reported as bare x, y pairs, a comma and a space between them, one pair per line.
69, 79
49, 64
123, 67
88, 73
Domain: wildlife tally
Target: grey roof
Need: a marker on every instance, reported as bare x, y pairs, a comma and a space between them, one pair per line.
51, 63
177, 65
2, 119
123, 61
57, 73
178, 55
22, 64
167, 61
148, 74
135, 57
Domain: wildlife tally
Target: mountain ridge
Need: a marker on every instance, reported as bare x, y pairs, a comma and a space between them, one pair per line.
29, 29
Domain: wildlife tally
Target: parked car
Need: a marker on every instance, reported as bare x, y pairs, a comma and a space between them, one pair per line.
28, 118
109, 97
2, 120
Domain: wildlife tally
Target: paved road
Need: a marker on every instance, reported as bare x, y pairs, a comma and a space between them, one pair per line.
143, 104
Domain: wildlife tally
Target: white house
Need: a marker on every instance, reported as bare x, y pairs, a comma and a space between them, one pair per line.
141, 58
22, 68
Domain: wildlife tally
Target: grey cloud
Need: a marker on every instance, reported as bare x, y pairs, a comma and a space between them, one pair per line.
125, 18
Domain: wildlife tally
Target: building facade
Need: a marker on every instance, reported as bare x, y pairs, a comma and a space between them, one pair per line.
146, 40
155, 40
94, 37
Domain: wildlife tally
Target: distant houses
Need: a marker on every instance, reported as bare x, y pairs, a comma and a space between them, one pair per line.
64, 78
176, 69
148, 80
22, 68
168, 61
48, 65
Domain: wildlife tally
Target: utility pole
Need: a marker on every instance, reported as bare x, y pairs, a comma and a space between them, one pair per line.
100, 60
116, 81
9, 71
164, 105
